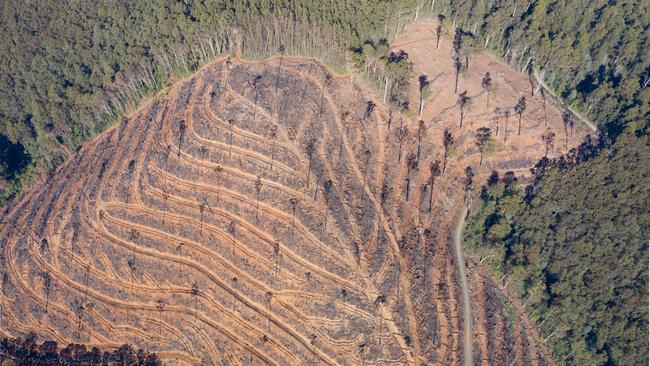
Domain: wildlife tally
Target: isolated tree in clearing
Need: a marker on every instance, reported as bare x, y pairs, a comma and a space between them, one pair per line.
273, 134
483, 136
506, 114
411, 164
181, 133
497, 114
520, 108
548, 138
439, 29
434, 170
447, 141
231, 125
566, 121
486, 83
458, 65
258, 189
421, 133
310, 148
463, 100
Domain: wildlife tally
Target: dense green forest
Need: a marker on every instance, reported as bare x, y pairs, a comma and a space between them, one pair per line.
69, 69
575, 248
27, 351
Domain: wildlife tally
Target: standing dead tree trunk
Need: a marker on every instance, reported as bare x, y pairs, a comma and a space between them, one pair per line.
434, 170
310, 148
463, 100
447, 142
258, 189
439, 29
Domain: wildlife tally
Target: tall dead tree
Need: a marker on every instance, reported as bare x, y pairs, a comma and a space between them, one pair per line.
402, 135
219, 170
201, 212
258, 189
160, 305
482, 137
231, 125
548, 138
273, 134
434, 171
256, 83
447, 142
463, 100
294, 204
486, 83
439, 29
458, 64
367, 155
232, 230
420, 134
181, 133
497, 115
47, 283
310, 148
194, 290
519, 109
370, 107
566, 121
327, 191
411, 164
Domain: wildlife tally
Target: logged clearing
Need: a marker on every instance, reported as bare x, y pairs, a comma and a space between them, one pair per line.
261, 213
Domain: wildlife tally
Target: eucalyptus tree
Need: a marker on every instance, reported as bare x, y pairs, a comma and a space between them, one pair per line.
520, 108
497, 115
231, 125
256, 83
181, 133
195, 291
47, 283
447, 141
439, 29
548, 138
486, 83
506, 115
310, 148
482, 137
458, 65
420, 134
566, 121
411, 164
434, 171
463, 101
258, 189
273, 134
402, 135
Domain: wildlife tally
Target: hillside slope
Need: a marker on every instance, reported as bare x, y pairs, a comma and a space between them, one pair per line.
263, 213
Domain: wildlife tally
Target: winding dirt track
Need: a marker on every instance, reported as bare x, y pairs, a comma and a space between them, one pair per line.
256, 214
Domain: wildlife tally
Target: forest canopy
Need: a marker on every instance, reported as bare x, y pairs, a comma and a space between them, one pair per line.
576, 251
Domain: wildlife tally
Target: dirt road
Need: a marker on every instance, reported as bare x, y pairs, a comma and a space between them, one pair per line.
467, 312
